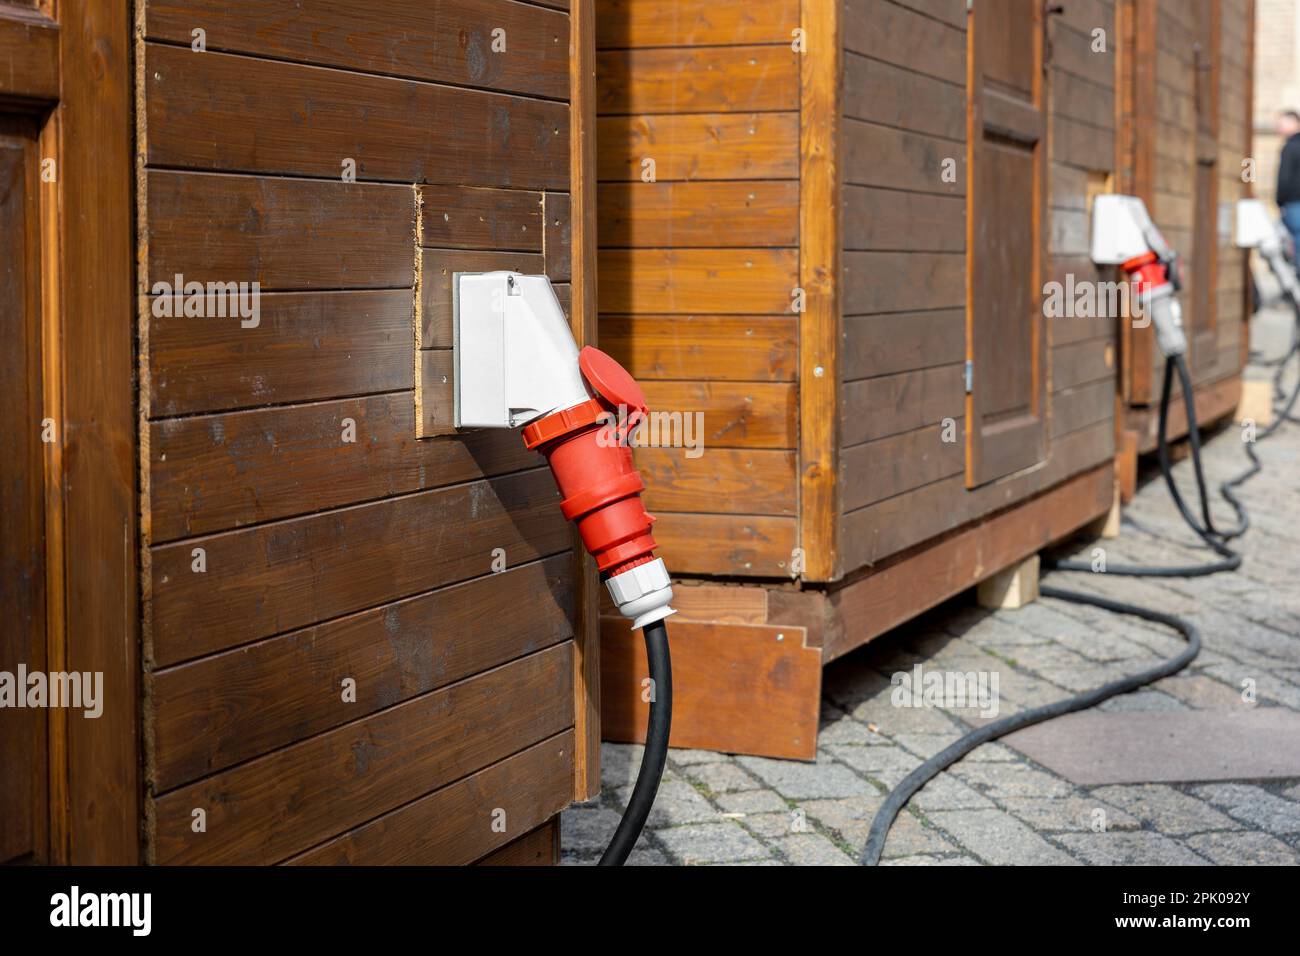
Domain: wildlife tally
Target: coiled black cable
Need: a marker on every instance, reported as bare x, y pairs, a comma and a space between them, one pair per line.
655, 754
914, 781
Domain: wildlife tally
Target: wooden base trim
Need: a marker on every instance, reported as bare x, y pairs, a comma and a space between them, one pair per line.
740, 689
737, 688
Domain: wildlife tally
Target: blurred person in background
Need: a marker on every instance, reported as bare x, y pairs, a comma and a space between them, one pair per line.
1288, 173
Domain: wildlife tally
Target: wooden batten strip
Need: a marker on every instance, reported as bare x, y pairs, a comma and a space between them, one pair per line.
819, 267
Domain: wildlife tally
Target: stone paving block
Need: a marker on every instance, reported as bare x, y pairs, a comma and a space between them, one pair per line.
1138, 848
1292, 793
1075, 680
724, 842
812, 849
1254, 806
927, 745
1000, 780
1142, 701
885, 764
925, 860
751, 801
909, 836
808, 781
1069, 814
947, 792
619, 764
676, 803
998, 838
677, 755
846, 730
586, 829
1241, 848
1202, 692
726, 777
890, 720
772, 826
848, 819
1267, 687
1165, 809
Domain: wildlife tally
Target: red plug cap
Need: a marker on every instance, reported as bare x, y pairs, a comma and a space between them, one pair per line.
586, 446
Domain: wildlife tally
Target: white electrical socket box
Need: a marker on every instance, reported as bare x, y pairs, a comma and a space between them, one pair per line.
514, 355
1122, 230
1255, 227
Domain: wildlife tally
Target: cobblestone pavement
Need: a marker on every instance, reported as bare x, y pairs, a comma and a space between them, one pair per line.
997, 806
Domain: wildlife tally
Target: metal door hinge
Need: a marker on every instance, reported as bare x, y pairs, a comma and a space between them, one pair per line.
969, 375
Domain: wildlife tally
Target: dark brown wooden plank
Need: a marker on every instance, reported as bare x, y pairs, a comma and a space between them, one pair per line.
541, 847
230, 113
322, 786
215, 228
887, 467
897, 35
435, 400
903, 98
307, 346
29, 49
215, 472
877, 155
276, 577
437, 273
559, 237
446, 41
463, 821
888, 404
1082, 362
475, 217
886, 344
1082, 406
888, 527
752, 348
895, 282
236, 705
890, 220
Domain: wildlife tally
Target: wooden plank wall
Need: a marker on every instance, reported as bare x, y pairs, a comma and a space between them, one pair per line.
299, 541
1173, 188
905, 270
697, 268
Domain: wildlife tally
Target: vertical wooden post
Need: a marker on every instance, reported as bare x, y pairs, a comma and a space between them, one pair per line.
819, 278
582, 189
98, 479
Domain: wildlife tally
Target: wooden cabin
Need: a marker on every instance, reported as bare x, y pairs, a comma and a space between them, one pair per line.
1185, 139
831, 228
331, 629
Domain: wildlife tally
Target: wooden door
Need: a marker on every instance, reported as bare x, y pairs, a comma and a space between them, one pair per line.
1203, 271
68, 592
1006, 152
23, 758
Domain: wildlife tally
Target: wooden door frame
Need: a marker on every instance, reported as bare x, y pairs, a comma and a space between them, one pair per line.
75, 69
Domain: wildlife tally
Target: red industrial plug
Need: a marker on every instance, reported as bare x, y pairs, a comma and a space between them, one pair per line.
588, 448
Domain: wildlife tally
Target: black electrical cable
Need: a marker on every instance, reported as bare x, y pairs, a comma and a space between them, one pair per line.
1176, 366
656, 748
915, 780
